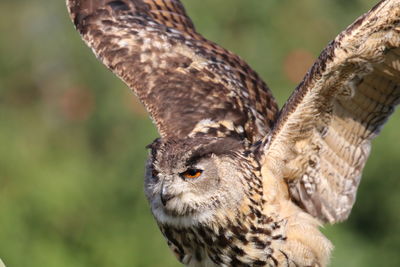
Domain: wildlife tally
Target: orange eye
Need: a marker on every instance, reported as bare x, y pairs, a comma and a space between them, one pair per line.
191, 173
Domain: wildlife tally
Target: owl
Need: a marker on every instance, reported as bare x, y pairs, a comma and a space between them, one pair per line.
233, 180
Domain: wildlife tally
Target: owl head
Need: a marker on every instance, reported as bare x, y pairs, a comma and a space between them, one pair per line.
191, 181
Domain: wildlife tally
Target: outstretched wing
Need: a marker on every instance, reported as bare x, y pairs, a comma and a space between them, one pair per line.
322, 138
185, 81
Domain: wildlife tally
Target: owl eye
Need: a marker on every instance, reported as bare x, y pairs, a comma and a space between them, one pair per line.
191, 173
154, 174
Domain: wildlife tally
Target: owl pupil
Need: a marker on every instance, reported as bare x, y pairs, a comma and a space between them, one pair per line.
192, 172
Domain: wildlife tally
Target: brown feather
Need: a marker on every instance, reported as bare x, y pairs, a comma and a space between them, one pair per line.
181, 77
322, 139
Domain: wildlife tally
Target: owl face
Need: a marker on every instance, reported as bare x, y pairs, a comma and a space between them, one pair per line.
191, 181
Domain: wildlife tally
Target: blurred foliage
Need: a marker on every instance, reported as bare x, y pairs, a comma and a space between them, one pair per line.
72, 136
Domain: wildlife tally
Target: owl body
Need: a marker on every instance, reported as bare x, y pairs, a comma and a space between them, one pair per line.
227, 216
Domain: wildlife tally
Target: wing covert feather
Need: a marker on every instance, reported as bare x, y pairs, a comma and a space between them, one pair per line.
182, 79
322, 138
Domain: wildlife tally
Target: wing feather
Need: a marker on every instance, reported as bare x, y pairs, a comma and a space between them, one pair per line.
322, 139
185, 81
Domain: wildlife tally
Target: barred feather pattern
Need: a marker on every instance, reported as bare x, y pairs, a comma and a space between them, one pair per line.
153, 46
322, 139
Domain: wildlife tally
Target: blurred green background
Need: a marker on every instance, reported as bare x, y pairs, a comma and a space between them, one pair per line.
72, 135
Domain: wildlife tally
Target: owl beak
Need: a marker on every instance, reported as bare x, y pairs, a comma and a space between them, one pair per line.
165, 196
